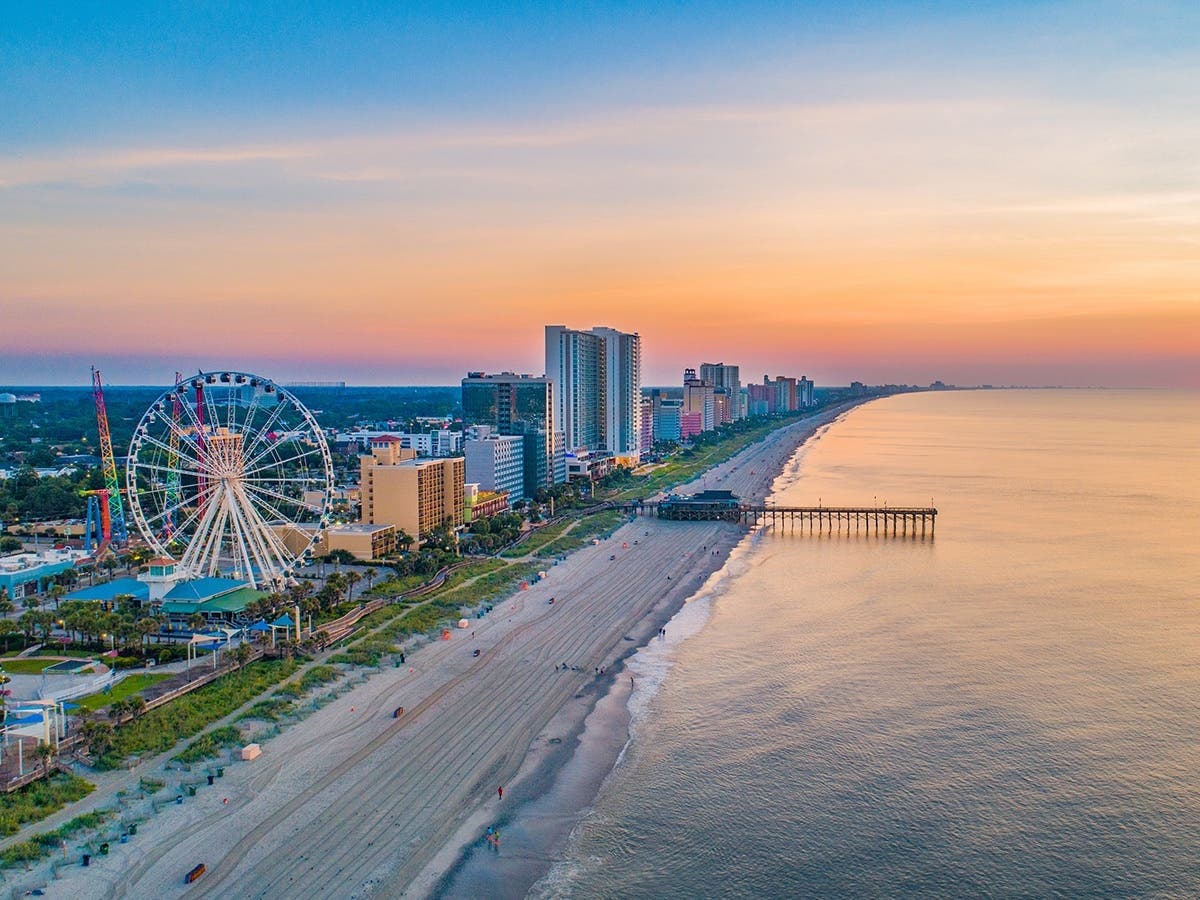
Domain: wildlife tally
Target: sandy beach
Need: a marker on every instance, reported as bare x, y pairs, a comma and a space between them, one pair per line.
353, 803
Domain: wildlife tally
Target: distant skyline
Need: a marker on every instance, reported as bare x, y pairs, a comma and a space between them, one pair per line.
995, 192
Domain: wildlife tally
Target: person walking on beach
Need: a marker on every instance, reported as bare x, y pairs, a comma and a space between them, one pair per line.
500, 791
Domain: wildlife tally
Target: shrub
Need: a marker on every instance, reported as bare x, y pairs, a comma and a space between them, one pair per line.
210, 745
159, 729
38, 800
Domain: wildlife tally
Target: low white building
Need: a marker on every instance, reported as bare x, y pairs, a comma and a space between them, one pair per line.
496, 462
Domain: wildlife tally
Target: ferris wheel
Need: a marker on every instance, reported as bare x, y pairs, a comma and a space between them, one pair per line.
230, 474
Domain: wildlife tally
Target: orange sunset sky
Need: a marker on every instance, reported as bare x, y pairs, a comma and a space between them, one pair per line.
896, 192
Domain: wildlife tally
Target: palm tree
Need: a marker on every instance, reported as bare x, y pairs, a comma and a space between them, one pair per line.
241, 654
45, 754
352, 578
28, 623
56, 593
404, 540
136, 704
6, 605
7, 627
195, 621
117, 709
98, 734
146, 626
45, 624
123, 602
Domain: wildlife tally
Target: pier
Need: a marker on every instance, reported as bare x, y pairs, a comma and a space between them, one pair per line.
887, 521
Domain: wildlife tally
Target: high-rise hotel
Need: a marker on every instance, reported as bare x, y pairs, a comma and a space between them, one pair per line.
598, 405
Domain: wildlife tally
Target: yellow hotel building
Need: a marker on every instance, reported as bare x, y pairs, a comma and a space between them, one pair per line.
414, 495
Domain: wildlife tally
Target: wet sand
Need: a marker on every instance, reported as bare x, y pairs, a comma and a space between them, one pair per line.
354, 803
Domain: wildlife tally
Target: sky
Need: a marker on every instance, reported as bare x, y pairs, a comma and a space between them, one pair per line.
397, 193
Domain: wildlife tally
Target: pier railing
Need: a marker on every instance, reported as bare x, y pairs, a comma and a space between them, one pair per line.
891, 521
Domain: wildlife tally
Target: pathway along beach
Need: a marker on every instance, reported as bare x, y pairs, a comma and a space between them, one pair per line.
353, 803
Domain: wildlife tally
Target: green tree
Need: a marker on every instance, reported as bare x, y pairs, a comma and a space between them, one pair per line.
98, 735
136, 704
7, 627
57, 591
28, 623
241, 654
146, 626
10, 544
45, 754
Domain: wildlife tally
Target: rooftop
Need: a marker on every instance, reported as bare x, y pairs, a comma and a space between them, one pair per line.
202, 589
357, 528
111, 589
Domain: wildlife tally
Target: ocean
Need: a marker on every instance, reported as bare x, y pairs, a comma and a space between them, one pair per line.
1010, 709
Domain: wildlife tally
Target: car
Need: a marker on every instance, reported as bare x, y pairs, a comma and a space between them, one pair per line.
614, 556
475, 652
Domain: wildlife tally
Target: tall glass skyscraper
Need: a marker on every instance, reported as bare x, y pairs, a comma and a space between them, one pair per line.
519, 404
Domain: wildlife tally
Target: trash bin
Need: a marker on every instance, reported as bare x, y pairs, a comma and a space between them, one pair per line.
87, 859
179, 798
124, 839
133, 828
191, 790
220, 771
210, 779
104, 849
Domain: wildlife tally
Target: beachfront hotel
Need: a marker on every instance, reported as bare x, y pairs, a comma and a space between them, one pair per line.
415, 495
598, 407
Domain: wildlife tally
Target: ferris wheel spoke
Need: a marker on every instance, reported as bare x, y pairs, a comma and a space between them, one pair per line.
193, 460
176, 507
178, 432
210, 409
270, 508
158, 467
267, 534
251, 412
197, 548
240, 543
259, 489
266, 428
187, 406
253, 532
293, 479
253, 461
230, 407
277, 463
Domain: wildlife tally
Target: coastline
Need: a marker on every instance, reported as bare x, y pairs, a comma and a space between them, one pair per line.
356, 803
558, 784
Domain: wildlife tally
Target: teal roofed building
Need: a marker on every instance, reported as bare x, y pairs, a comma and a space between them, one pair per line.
221, 601
106, 593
